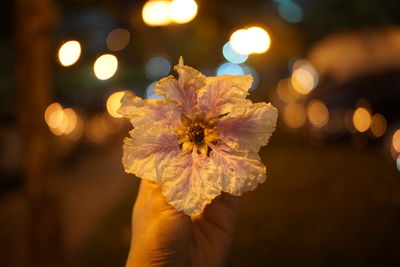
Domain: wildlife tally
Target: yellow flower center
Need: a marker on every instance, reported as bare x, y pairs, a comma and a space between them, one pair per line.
197, 133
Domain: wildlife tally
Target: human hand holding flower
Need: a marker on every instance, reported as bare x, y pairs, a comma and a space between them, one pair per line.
202, 138
163, 236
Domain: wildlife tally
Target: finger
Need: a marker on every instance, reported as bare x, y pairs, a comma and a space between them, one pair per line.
222, 211
151, 200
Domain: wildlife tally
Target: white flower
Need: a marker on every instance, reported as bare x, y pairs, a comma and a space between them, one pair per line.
201, 138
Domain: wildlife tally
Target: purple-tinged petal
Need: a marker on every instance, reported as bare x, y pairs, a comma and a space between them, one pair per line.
140, 110
241, 171
191, 182
182, 92
151, 148
223, 92
248, 126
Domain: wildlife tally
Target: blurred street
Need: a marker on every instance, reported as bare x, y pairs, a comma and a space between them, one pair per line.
321, 206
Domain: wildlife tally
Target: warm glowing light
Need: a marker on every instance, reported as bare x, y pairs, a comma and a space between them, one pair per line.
114, 103
249, 41
259, 40
77, 132
69, 53
60, 121
302, 81
239, 42
69, 122
361, 119
304, 77
294, 115
183, 11
378, 125
118, 39
317, 113
54, 115
105, 66
286, 92
156, 13
396, 141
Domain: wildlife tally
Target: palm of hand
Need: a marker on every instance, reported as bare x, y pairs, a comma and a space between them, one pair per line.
162, 236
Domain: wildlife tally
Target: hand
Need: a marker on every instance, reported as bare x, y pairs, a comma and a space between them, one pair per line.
162, 236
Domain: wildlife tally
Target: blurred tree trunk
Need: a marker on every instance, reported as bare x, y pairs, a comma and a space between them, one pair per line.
35, 20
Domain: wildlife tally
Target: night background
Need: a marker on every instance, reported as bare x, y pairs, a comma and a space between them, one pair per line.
331, 67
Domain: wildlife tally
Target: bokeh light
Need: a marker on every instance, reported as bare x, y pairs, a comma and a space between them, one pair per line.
183, 11
304, 77
114, 103
54, 115
294, 115
259, 40
232, 56
229, 69
150, 93
378, 125
396, 141
317, 113
105, 66
60, 121
69, 53
290, 11
77, 132
156, 13
239, 42
286, 92
69, 121
118, 39
157, 67
361, 119
249, 41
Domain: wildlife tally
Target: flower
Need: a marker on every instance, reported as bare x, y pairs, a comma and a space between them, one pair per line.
202, 138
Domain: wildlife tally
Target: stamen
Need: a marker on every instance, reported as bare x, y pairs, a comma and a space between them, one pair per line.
196, 134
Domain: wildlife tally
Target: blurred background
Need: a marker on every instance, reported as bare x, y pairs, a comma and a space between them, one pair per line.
331, 67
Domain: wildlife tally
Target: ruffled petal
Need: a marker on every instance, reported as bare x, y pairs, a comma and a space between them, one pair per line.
241, 171
191, 182
182, 92
149, 151
248, 126
140, 110
223, 92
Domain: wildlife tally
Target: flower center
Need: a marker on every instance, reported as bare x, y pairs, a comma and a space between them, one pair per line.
196, 134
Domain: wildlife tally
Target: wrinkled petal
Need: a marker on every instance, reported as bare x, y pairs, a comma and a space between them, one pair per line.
248, 126
223, 92
182, 92
149, 151
191, 182
140, 110
241, 171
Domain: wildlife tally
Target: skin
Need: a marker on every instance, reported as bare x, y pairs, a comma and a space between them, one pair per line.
162, 236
